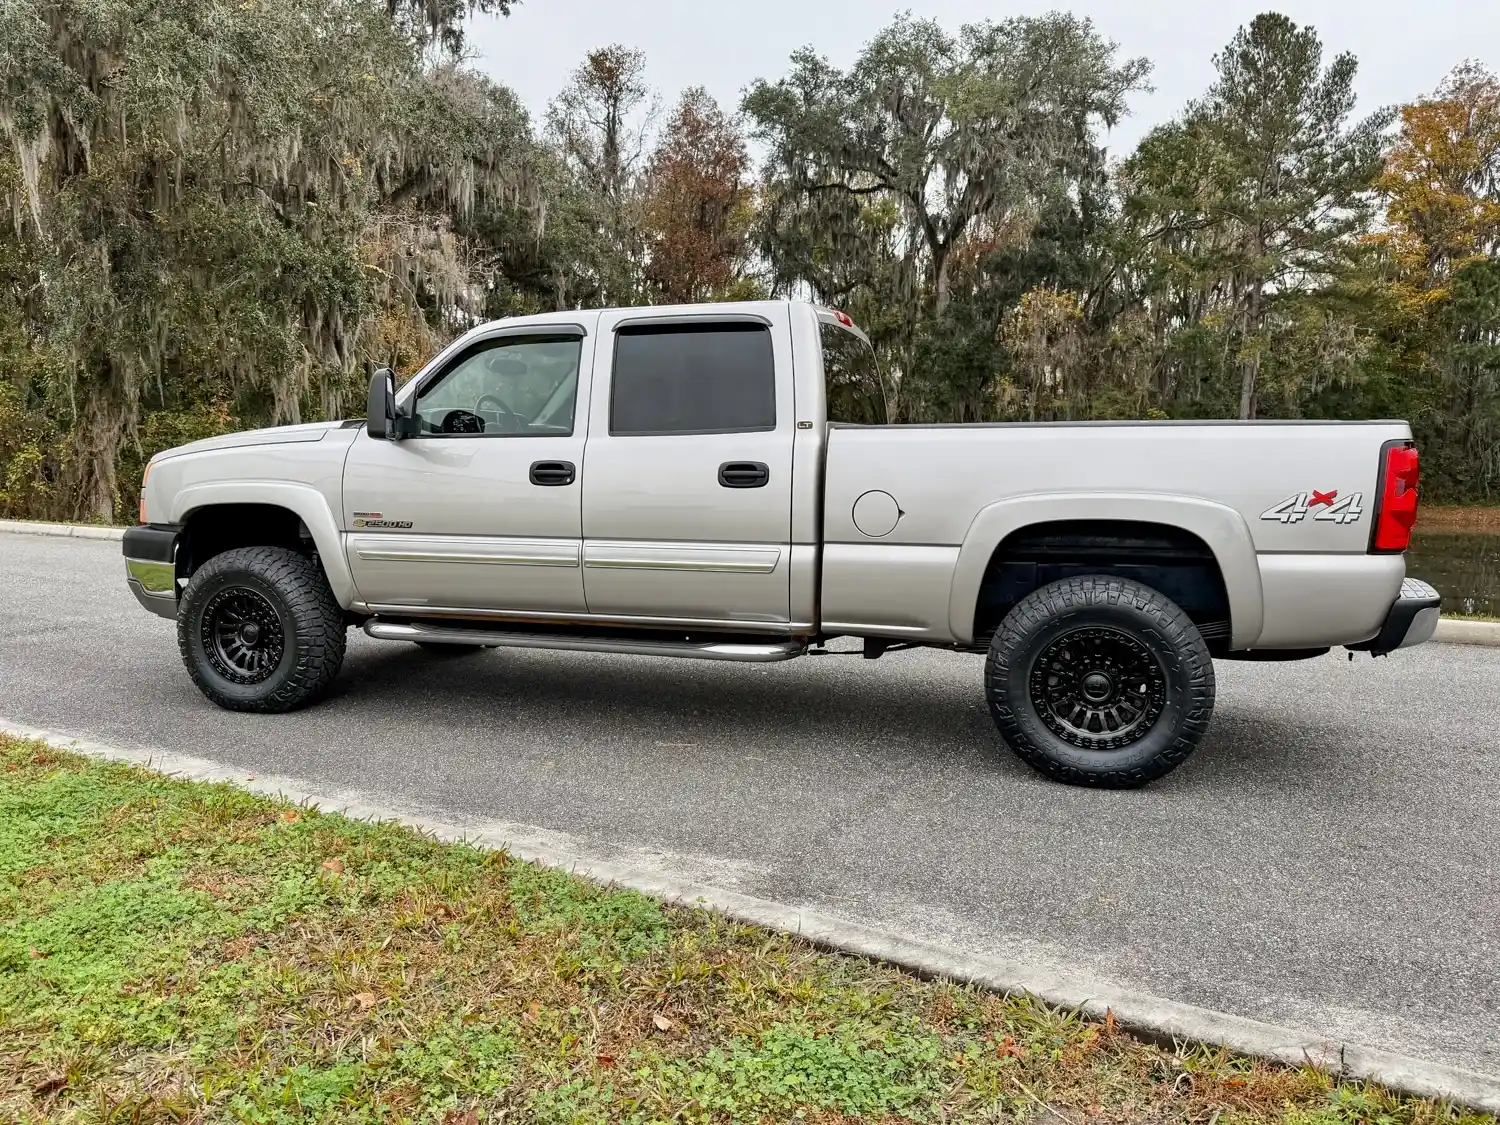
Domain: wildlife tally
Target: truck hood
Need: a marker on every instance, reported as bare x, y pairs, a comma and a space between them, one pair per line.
271, 435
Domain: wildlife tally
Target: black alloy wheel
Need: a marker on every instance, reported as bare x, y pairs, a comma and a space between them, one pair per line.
242, 635
1098, 688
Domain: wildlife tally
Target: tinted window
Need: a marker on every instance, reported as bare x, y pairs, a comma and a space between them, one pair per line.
716, 378
851, 378
506, 386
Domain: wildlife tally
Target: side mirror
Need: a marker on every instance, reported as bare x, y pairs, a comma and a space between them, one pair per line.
381, 415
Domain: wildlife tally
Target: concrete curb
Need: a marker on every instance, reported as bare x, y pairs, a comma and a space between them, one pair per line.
1150, 1017
1457, 631
1449, 631
70, 530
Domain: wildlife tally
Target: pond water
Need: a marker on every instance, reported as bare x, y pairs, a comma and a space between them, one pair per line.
1463, 565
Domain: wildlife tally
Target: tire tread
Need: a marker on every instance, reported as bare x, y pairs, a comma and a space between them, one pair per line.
1183, 648
305, 593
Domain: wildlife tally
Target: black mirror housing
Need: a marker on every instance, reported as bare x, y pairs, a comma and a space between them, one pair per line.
381, 413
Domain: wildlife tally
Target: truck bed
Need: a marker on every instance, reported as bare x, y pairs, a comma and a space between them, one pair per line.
1286, 508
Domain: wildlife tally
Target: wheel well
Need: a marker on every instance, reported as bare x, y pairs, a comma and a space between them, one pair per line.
218, 528
1169, 559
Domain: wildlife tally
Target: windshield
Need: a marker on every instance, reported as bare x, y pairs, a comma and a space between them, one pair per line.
851, 378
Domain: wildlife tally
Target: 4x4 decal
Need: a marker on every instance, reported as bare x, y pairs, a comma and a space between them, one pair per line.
1331, 508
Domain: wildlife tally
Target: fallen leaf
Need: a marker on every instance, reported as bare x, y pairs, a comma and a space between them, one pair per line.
605, 1060
366, 1000
291, 816
662, 1023
334, 865
36, 954
460, 1117
1109, 1021
533, 1010
1008, 1048
1236, 1083
50, 1085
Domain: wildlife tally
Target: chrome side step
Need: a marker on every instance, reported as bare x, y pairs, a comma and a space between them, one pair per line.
762, 653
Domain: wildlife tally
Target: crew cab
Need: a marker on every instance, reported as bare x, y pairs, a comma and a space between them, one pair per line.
669, 482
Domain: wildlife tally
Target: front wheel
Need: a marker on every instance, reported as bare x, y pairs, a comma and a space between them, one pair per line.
260, 630
1100, 681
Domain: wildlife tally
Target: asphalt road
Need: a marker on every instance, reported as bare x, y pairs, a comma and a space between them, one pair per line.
1330, 859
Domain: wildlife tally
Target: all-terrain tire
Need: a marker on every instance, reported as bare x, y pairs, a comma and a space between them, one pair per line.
286, 598
1065, 644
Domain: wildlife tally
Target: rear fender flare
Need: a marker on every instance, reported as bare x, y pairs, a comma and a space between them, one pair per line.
1221, 527
307, 502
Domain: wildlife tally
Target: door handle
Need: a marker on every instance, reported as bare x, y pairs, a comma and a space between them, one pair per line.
744, 474
553, 474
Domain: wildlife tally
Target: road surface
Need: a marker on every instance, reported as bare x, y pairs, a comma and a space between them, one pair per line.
1330, 859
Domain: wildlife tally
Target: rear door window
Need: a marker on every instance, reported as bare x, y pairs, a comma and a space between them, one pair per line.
693, 379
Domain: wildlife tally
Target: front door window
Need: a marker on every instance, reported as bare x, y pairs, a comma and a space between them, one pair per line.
526, 388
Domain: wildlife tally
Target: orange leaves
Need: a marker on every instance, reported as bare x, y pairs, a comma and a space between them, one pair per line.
1439, 177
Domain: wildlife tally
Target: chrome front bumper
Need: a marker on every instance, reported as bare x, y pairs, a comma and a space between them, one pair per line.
151, 567
1412, 620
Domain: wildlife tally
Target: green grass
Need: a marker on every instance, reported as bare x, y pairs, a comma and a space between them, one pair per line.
173, 951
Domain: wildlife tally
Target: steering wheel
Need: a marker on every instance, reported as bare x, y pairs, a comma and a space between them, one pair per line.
511, 420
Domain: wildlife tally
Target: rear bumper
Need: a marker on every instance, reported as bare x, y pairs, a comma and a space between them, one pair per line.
151, 566
1412, 620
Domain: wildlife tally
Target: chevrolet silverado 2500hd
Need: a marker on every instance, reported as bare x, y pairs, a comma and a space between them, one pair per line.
668, 481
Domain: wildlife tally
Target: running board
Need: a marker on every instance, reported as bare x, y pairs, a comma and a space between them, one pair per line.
636, 646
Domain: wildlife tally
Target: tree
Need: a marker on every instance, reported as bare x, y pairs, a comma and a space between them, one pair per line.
1295, 177
960, 132
697, 203
195, 189
1442, 189
969, 138
601, 123
1442, 179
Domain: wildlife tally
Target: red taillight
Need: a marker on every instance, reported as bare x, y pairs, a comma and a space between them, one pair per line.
843, 318
1398, 499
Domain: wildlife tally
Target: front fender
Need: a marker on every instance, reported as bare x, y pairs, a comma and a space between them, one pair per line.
1221, 527
307, 502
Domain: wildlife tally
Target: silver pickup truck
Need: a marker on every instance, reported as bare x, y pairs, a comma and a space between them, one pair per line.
669, 482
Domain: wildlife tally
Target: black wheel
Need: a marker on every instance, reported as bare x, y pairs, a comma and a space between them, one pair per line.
259, 630
1100, 681
444, 648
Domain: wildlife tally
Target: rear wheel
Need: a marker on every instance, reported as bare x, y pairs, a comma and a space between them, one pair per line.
1100, 681
260, 630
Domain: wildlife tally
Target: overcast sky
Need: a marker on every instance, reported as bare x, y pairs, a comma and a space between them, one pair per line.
1404, 48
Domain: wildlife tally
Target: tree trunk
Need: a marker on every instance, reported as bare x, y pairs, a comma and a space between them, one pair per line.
97, 440
1248, 371
1250, 365
941, 259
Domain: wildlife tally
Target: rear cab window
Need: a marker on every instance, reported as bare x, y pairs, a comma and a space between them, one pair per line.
697, 378
851, 378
